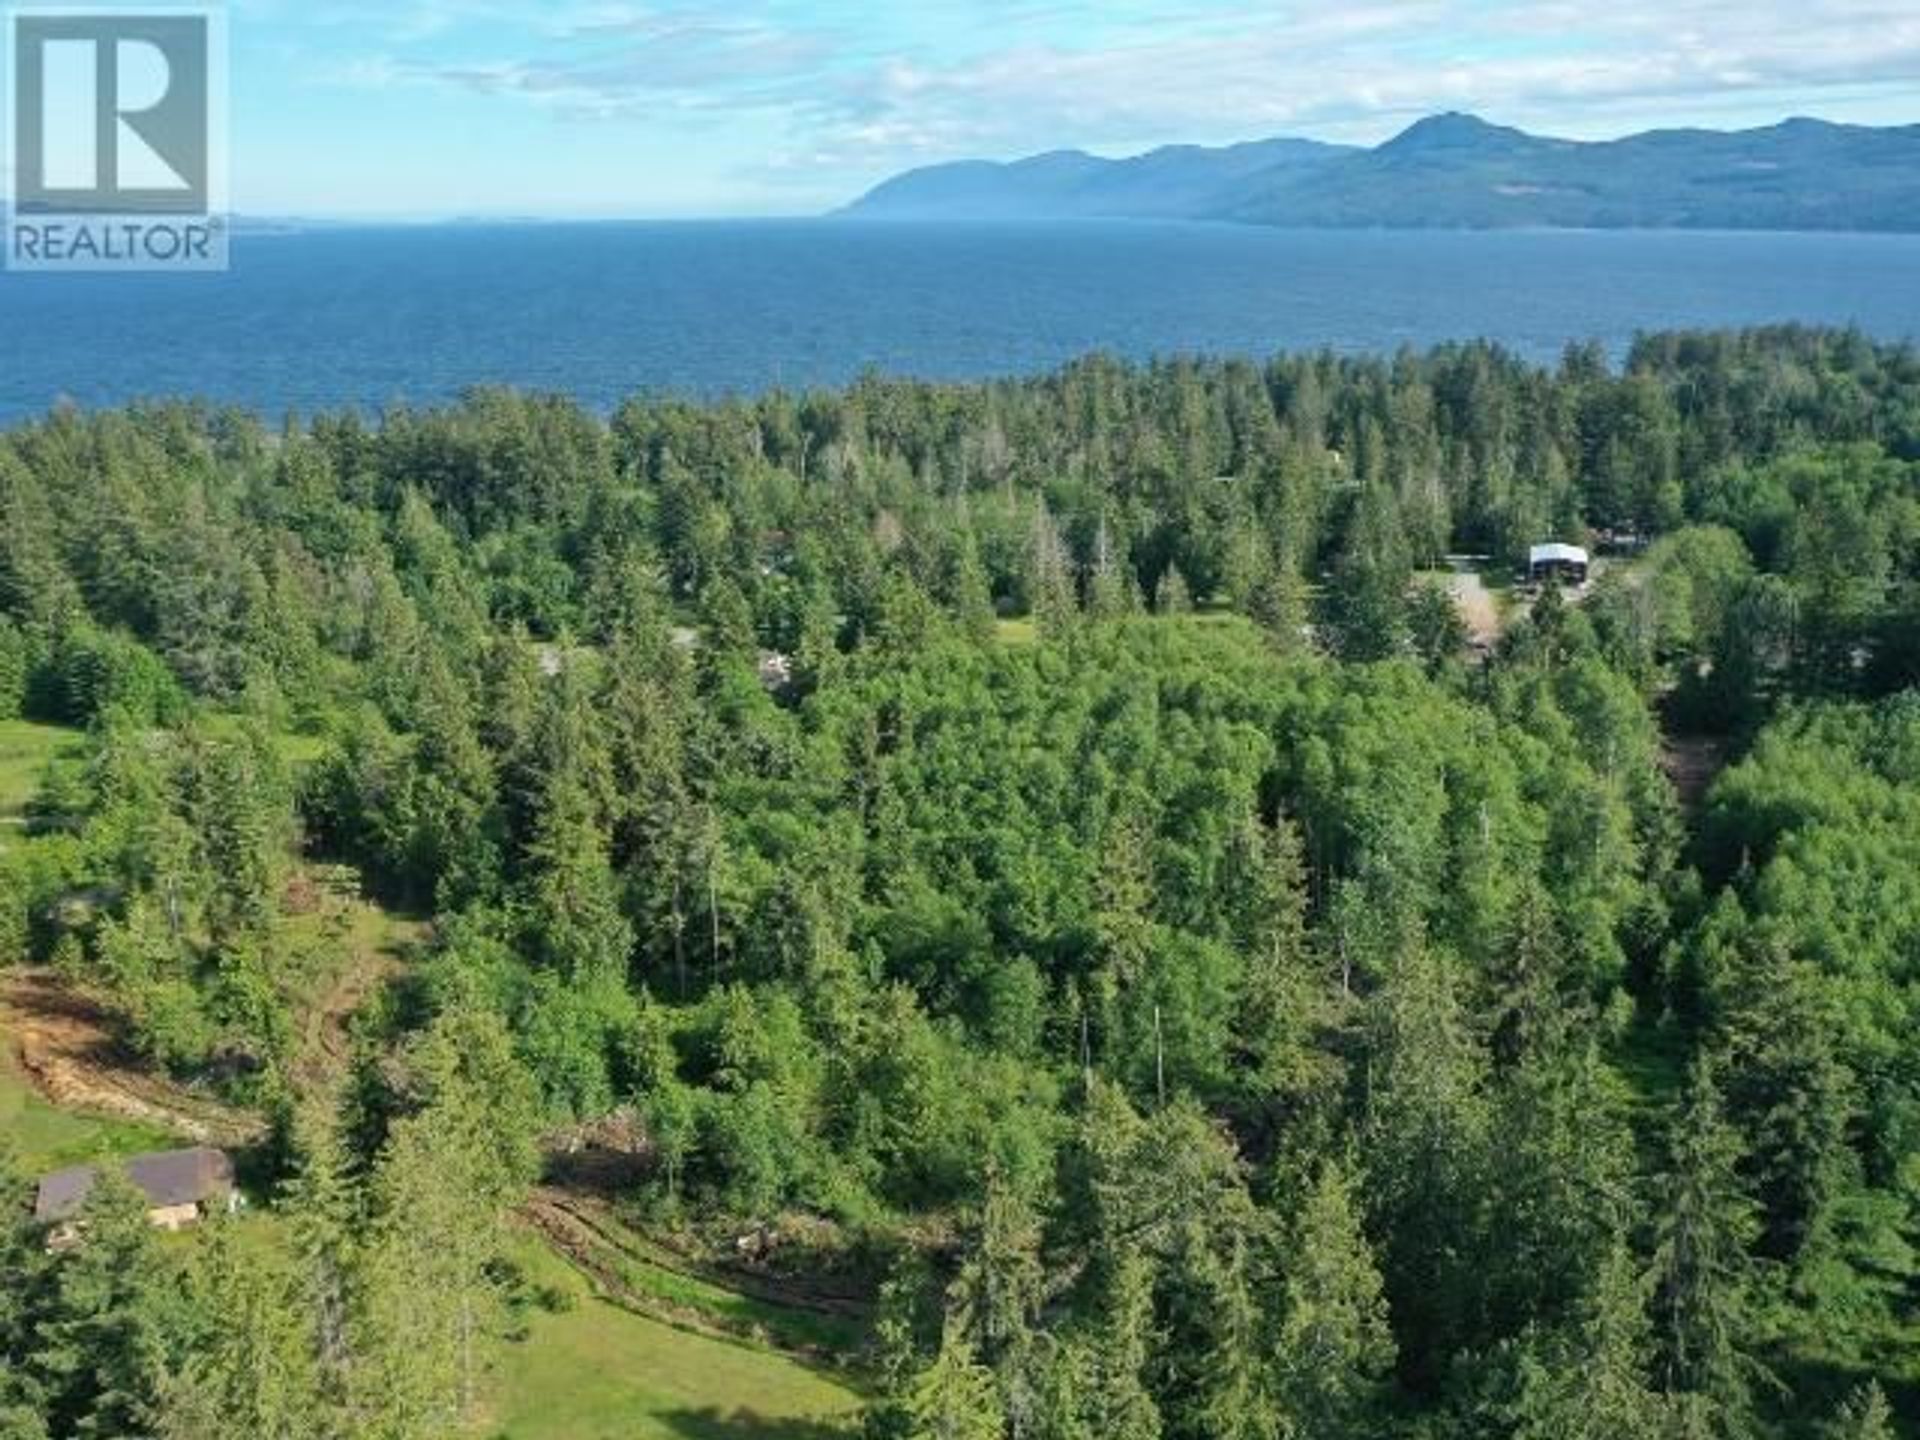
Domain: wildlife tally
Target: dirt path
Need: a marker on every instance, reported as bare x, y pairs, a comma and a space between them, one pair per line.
65, 1045
1692, 763
1478, 608
327, 1032
347, 950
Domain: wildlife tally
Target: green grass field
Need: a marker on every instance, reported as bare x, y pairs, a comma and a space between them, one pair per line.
297, 749
25, 750
597, 1372
652, 1280
26, 747
742, 1314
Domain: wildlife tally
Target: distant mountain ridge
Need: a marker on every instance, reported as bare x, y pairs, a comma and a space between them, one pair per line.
1177, 182
1456, 171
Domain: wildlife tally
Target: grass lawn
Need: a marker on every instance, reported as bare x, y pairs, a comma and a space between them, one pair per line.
738, 1314
48, 1139
297, 749
643, 1271
25, 749
597, 1372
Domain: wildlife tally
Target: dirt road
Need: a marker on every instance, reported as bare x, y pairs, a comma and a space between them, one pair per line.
1478, 608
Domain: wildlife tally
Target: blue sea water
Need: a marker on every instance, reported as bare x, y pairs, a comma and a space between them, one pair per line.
327, 318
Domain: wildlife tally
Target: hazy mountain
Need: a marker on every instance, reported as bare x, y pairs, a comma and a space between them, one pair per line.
1179, 181
1458, 171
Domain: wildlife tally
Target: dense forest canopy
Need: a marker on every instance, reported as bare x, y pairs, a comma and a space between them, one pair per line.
1052, 837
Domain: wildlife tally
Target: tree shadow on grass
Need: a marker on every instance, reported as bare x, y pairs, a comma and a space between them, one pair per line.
714, 1423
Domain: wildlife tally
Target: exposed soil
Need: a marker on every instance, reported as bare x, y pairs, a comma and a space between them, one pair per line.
354, 950
586, 1231
1478, 608
326, 1034
571, 1228
66, 1045
1692, 763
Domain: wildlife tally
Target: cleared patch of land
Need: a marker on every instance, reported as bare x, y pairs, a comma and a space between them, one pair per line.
63, 1043
589, 1369
44, 1137
347, 950
26, 749
635, 1346
1478, 608
1692, 763
811, 1322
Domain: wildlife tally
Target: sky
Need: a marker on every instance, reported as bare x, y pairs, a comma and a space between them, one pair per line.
680, 108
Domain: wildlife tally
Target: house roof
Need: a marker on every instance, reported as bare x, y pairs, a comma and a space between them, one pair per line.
174, 1177
1558, 555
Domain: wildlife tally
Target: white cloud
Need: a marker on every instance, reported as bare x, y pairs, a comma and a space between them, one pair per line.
1360, 72
943, 80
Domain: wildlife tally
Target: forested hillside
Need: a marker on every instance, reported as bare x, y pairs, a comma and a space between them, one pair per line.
1040, 860
1455, 171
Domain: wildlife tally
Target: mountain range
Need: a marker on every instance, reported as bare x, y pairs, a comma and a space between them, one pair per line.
1456, 171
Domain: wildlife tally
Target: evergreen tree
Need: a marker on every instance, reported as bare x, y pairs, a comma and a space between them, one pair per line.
1285, 1000
456, 843
1427, 1157
1788, 1091
427, 1306
998, 1295
1369, 600
255, 1373
113, 1326
1334, 1351
1062, 1410
1702, 1270
576, 921
24, 1276
1566, 1186
1122, 1344
966, 589
1278, 601
1235, 1394
1052, 589
1865, 1416
1111, 591
955, 1398
1596, 1385
1436, 630
1531, 1005
324, 1213
1123, 925
1173, 597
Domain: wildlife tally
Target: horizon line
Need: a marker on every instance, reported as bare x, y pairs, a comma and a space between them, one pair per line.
510, 214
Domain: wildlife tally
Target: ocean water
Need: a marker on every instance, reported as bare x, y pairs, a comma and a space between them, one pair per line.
331, 318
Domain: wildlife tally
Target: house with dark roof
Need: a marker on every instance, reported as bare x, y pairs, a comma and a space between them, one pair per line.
181, 1187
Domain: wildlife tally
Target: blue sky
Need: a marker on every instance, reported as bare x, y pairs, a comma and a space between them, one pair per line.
692, 107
